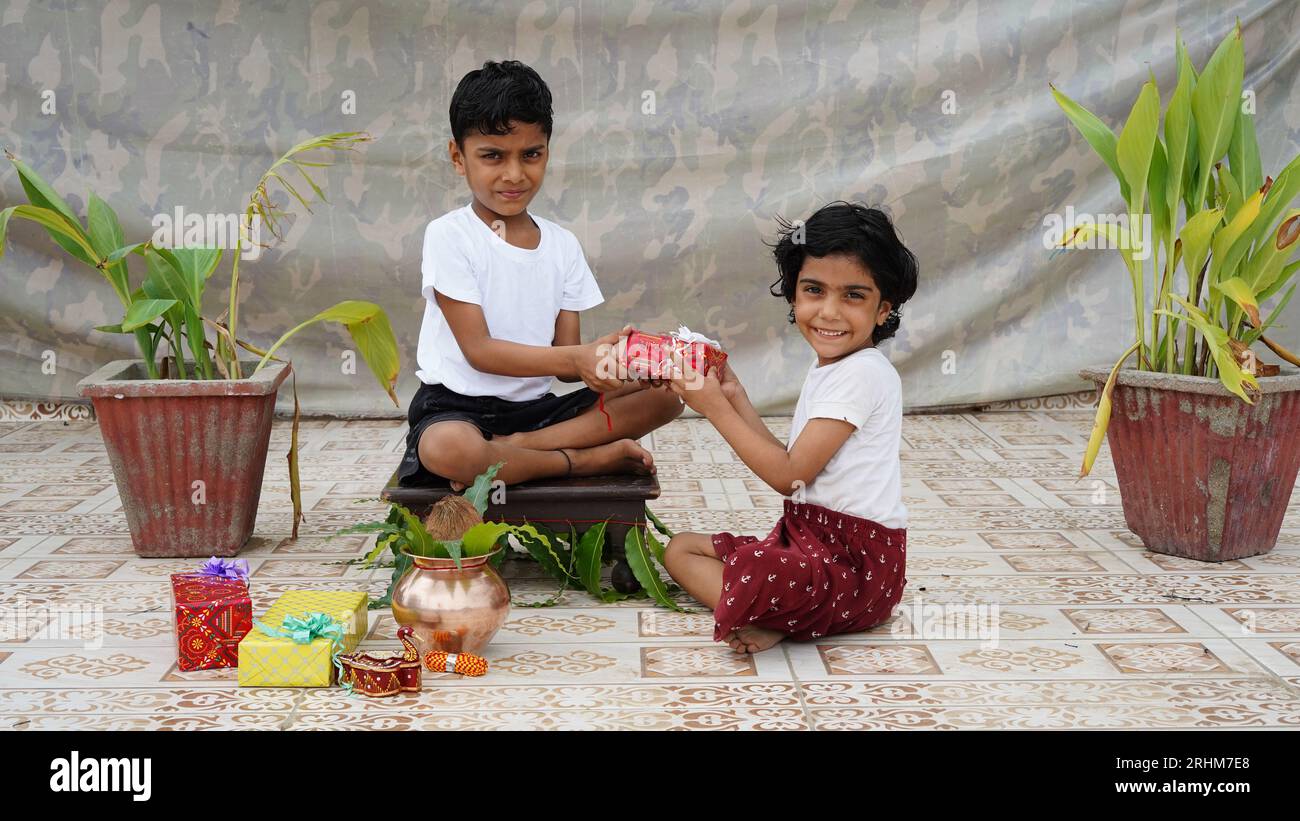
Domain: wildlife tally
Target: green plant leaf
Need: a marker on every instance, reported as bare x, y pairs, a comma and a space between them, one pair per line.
656, 548
639, 560
1216, 100
1253, 335
1262, 269
1243, 152
1239, 292
1136, 143
1196, 236
481, 539
1097, 134
541, 549
370, 330
68, 236
587, 556
660, 526
479, 493
1177, 129
144, 311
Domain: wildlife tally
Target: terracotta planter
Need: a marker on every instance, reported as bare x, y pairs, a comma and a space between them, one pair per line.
1201, 473
458, 610
163, 436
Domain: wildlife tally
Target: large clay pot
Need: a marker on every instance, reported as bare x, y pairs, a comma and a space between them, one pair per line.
187, 454
454, 609
1201, 473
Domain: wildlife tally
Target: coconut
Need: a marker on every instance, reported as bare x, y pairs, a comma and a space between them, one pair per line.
450, 517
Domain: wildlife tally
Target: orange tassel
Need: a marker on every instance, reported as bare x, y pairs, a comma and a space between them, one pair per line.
466, 664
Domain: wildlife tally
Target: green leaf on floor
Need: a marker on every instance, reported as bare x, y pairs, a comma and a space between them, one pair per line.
638, 558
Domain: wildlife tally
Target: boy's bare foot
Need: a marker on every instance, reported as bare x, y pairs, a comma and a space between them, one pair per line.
622, 456
754, 639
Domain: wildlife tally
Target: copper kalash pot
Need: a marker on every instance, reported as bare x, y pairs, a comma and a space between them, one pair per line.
456, 609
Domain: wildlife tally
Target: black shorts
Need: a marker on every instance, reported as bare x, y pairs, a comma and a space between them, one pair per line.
492, 416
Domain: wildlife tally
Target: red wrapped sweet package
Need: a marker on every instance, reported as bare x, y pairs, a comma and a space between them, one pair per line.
212, 614
650, 356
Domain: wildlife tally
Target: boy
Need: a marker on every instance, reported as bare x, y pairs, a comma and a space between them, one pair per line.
503, 293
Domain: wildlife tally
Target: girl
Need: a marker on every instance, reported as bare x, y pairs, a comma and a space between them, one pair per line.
835, 562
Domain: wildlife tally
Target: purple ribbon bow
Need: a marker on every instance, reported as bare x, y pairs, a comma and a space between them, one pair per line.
225, 568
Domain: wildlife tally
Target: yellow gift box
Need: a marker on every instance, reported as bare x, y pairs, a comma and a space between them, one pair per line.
278, 661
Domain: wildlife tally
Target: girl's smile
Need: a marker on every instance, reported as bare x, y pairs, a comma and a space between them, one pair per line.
837, 306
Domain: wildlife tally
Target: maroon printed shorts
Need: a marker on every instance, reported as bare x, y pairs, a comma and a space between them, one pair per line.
819, 572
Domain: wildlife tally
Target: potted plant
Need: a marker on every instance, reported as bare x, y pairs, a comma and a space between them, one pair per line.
186, 427
1203, 435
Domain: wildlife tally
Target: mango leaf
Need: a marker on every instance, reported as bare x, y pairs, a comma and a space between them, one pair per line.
587, 555
142, 312
644, 569
541, 549
656, 547
480, 491
417, 536
660, 526
1098, 135
370, 329
400, 565
1102, 420
481, 539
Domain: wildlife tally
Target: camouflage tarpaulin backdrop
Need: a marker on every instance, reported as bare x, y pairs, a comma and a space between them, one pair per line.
682, 129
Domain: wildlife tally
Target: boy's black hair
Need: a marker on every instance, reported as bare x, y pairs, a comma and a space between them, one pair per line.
853, 230
488, 98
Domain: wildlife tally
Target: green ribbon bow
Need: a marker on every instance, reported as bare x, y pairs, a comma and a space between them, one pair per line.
307, 628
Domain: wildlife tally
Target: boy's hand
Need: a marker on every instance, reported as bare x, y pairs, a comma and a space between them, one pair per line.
597, 362
702, 394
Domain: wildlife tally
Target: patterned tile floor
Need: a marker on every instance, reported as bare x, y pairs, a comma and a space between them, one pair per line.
1030, 605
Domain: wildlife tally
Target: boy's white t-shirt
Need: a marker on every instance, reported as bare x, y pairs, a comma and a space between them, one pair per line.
864, 477
521, 292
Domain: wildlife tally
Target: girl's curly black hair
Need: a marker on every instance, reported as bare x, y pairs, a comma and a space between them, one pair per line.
854, 230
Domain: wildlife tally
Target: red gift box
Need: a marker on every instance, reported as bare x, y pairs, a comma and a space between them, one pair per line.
212, 615
649, 356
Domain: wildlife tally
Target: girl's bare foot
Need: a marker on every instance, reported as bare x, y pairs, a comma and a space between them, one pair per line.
756, 639
733, 641
622, 456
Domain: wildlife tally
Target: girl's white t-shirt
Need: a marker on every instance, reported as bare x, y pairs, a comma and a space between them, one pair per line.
864, 477
521, 292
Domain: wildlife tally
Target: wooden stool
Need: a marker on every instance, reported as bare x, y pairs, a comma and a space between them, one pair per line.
581, 501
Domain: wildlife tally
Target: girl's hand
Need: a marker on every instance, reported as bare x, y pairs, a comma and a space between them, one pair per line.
702, 394
730, 383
